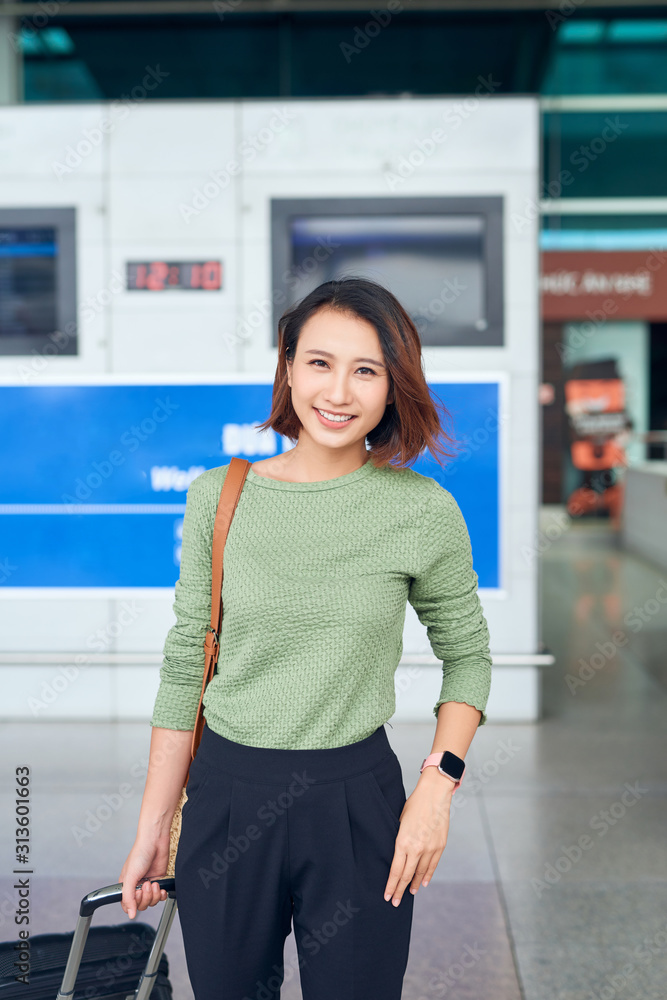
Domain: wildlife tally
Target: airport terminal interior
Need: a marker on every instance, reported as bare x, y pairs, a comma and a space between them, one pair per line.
176, 173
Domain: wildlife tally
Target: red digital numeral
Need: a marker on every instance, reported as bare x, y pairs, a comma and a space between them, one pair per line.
210, 274
158, 276
140, 279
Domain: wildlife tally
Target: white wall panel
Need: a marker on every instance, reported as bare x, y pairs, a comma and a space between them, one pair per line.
358, 136
173, 137
34, 140
45, 693
52, 624
154, 204
172, 340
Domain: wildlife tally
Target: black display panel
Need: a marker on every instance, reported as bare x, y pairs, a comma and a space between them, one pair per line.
37, 281
441, 257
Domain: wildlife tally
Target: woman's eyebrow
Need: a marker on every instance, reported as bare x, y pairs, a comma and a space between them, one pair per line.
326, 354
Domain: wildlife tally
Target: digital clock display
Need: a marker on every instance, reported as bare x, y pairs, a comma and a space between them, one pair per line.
161, 275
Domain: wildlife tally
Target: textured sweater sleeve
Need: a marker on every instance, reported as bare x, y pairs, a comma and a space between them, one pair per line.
183, 658
444, 595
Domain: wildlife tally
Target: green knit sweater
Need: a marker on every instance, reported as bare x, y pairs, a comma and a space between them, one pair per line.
316, 579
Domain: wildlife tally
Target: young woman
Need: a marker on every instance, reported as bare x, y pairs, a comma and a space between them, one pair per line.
296, 810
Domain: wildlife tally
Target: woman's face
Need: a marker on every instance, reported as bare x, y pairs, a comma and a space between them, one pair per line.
338, 368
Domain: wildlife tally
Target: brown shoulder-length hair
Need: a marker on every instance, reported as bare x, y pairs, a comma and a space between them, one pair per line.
411, 422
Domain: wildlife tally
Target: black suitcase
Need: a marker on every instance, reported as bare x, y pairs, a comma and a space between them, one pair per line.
115, 957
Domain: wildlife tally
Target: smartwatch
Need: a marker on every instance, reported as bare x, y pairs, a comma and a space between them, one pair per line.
448, 764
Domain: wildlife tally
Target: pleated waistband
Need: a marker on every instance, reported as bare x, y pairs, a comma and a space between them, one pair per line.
270, 764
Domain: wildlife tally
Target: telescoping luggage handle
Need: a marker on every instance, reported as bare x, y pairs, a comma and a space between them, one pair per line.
114, 894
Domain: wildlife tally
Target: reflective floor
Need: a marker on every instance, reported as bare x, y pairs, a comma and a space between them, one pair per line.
553, 885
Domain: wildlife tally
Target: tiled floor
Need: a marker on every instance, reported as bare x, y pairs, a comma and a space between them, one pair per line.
534, 913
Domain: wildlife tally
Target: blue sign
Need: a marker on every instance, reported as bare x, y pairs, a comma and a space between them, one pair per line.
94, 477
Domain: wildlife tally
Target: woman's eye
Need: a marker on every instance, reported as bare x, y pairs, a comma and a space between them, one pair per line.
317, 361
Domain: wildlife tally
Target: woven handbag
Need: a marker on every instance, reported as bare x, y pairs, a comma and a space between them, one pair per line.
229, 498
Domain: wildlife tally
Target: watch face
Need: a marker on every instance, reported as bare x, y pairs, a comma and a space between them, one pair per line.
452, 765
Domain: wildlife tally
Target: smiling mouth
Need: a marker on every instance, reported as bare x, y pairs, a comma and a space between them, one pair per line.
338, 418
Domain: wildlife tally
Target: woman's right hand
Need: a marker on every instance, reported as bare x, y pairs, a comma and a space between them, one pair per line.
145, 860
169, 760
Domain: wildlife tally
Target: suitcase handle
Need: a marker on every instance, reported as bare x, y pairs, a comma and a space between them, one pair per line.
114, 894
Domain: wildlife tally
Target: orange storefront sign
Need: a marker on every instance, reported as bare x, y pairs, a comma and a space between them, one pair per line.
604, 284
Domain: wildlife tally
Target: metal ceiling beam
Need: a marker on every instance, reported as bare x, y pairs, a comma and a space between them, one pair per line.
142, 8
605, 102
603, 206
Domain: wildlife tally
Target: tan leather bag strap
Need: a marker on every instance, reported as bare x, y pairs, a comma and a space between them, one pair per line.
229, 498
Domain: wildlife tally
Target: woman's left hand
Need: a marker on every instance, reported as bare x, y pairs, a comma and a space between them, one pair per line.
422, 835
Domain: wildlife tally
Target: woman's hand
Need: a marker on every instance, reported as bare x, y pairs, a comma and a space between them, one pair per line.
168, 765
149, 861
422, 836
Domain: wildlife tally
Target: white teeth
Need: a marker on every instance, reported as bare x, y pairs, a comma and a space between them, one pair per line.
332, 416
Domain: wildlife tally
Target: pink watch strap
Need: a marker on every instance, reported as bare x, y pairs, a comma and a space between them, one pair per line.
434, 759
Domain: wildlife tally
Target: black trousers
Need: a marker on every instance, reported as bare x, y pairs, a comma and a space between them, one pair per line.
270, 837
